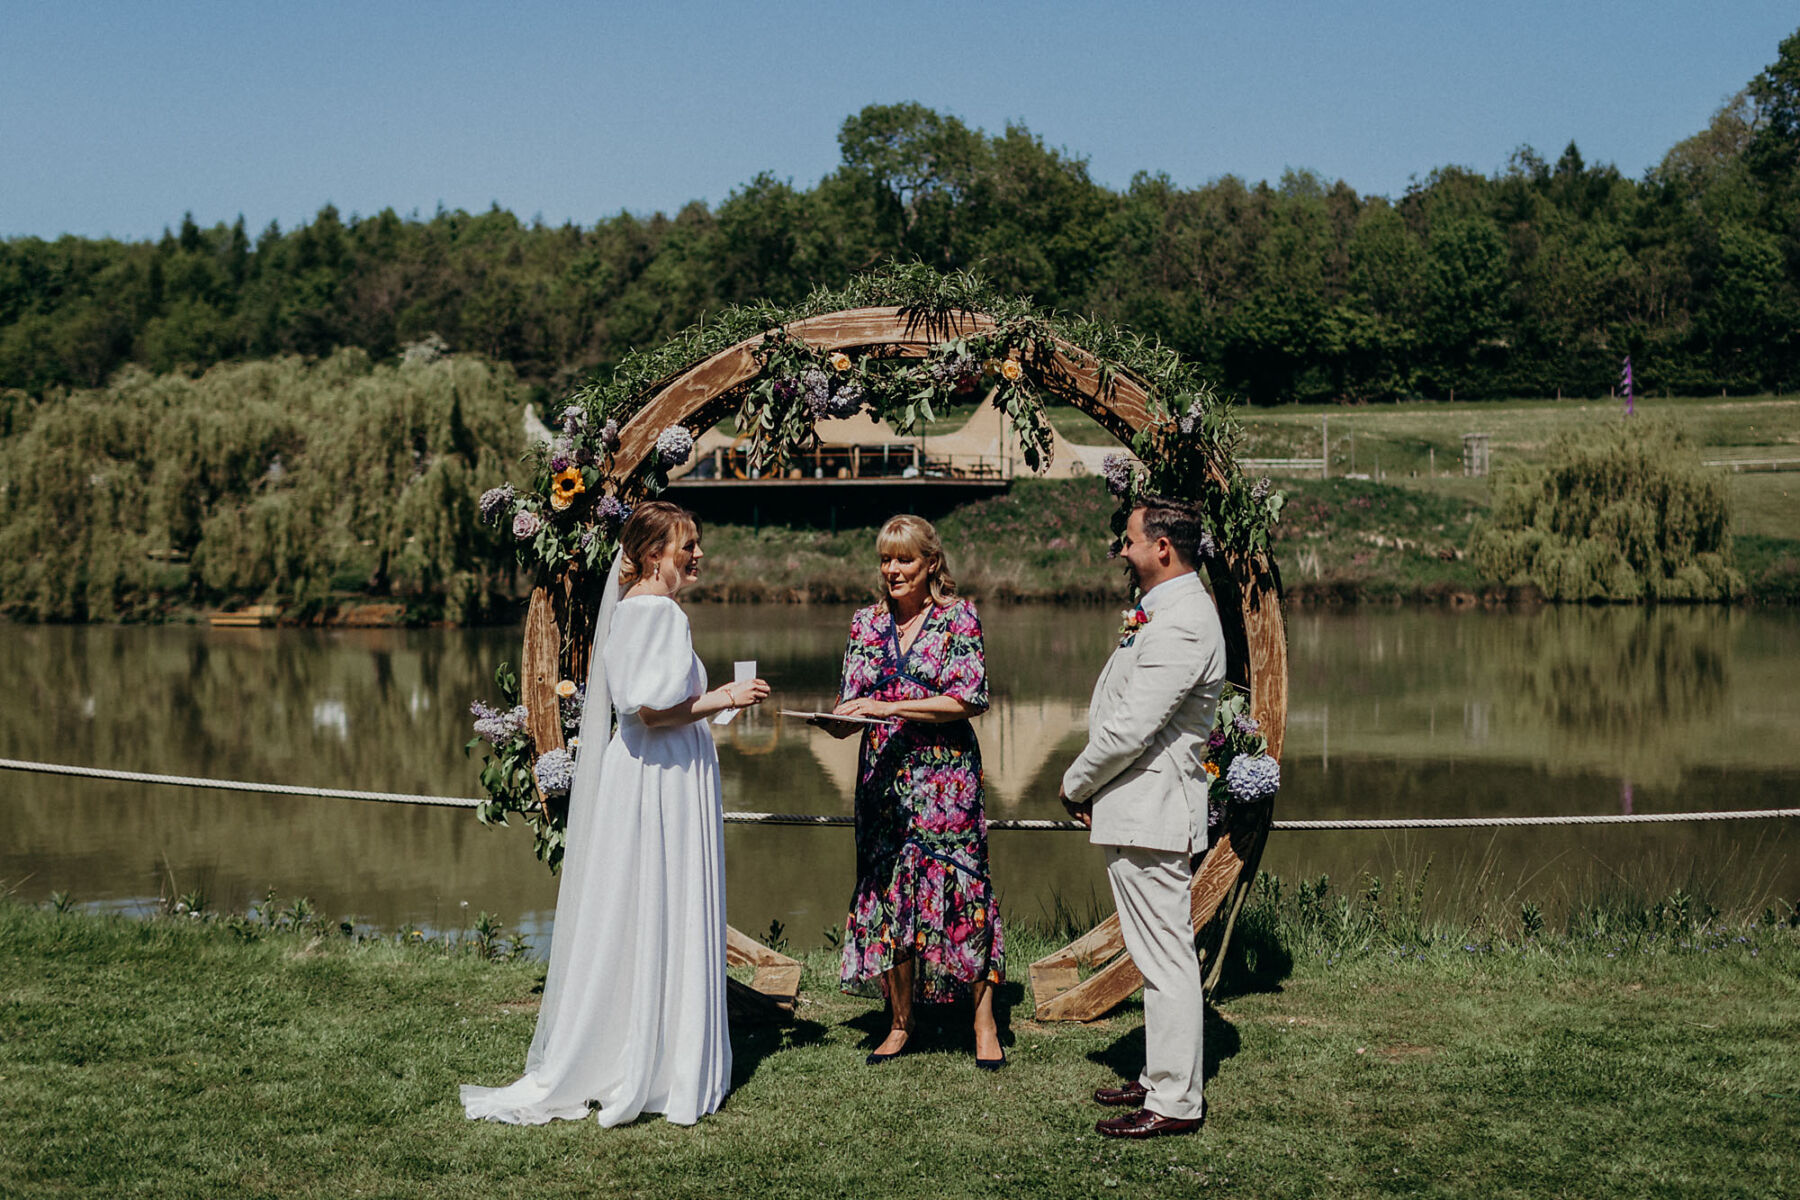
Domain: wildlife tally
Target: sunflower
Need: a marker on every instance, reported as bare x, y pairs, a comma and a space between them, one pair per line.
565, 487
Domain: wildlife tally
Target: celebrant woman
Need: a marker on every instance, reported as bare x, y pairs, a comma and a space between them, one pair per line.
924, 924
633, 1017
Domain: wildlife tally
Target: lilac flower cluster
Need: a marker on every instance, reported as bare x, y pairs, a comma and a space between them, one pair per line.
784, 390
1252, 777
674, 445
1190, 421
609, 435
1118, 472
1259, 491
956, 374
570, 708
496, 726
816, 385
612, 511
562, 453
826, 397
1206, 547
574, 420
495, 502
526, 524
1245, 724
554, 771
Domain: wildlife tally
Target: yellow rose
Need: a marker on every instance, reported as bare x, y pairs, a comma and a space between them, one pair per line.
840, 361
1011, 371
566, 688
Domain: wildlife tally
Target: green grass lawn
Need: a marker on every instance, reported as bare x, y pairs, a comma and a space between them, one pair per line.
173, 1058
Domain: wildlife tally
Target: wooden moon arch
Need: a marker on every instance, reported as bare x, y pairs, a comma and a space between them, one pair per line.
1093, 974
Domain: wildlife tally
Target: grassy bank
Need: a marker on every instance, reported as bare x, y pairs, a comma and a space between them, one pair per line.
1644, 1053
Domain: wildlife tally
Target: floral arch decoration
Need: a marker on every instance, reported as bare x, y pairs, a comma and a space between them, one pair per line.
909, 346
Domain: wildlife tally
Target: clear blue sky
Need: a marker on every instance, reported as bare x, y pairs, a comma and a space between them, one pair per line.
115, 118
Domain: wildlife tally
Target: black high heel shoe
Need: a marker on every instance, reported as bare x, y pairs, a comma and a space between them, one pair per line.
877, 1059
991, 1064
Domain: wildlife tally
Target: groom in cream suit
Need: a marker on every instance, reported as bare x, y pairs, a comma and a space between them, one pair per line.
1140, 787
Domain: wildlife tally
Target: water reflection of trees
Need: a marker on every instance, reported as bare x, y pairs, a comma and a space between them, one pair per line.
1638, 683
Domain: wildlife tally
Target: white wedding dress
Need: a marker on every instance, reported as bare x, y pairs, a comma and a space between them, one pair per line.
633, 1017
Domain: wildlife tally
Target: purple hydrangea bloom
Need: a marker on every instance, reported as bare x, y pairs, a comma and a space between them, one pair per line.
494, 502
555, 771
674, 445
1252, 777
609, 435
1117, 470
1245, 724
612, 511
785, 390
526, 524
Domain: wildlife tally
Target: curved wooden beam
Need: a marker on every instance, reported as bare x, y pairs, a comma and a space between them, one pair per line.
1244, 585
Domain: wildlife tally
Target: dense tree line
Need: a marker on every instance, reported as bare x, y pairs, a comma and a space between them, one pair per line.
1536, 280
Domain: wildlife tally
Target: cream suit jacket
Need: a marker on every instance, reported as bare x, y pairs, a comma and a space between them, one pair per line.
1148, 721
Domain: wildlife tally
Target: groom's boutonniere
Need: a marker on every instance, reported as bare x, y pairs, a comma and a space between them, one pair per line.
1135, 619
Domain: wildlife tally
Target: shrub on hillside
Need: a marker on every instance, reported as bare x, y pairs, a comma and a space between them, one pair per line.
1626, 515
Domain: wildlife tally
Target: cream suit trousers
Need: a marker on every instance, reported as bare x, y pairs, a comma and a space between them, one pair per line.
1150, 890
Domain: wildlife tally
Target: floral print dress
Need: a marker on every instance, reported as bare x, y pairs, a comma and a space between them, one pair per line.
922, 885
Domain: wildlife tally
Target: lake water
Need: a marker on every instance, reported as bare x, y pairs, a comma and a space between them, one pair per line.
1394, 713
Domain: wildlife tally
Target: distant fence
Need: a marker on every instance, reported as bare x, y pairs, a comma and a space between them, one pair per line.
1268, 465
1756, 464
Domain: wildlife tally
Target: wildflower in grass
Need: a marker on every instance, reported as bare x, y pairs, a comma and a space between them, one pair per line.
1253, 777
674, 445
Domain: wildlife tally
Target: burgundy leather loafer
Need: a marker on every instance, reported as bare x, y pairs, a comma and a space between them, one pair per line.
1145, 1124
1130, 1096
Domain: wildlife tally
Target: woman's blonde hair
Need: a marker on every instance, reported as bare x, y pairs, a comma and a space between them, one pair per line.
652, 528
915, 536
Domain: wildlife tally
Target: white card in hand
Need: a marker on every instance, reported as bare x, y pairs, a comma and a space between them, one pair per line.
741, 672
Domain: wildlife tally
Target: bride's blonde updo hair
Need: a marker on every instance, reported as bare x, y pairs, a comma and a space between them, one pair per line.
653, 527
916, 538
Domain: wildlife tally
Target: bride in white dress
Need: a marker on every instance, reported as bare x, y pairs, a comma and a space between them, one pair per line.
633, 1016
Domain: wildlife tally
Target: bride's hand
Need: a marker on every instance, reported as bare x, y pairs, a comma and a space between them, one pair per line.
746, 693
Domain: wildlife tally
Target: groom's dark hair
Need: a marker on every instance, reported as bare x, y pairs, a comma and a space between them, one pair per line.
1179, 522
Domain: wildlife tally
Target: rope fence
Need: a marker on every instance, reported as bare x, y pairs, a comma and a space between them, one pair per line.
762, 818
